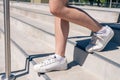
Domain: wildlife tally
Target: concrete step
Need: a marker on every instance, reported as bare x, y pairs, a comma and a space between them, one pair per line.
75, 72
39, 15
107, 15
39, 12
76, 28
19, 62
24, 56
103, 63
100, 14
70, 48
44, 34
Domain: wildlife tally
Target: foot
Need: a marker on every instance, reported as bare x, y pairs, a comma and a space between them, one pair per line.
100, 39
51, 64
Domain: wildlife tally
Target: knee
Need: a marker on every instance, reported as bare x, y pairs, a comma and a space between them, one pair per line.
56, 11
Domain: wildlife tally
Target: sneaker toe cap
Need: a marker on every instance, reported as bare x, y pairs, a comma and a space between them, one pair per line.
89, 48
93, 48
36, 68
39, 69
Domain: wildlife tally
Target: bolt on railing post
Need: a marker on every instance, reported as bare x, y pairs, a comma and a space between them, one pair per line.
8, 75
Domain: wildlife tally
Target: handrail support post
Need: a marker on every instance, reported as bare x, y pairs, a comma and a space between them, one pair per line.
7, 75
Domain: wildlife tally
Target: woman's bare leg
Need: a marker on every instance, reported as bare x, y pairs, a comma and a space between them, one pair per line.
59, 9
63, 15
61, 35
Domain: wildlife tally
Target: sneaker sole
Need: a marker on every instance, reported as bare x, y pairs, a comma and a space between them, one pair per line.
51, 70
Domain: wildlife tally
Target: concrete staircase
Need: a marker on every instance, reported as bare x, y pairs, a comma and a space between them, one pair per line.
32, 37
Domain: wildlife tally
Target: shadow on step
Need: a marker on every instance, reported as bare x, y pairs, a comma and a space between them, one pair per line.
21, 72
80, 55
72, 64
27, 64
115, 26
31, 57
25, 71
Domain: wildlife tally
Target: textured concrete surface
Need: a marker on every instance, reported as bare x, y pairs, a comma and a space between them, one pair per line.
74, 73
101, 14
29, 35
26, 76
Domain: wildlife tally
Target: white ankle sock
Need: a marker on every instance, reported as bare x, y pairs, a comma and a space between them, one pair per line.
60, 58
103, 30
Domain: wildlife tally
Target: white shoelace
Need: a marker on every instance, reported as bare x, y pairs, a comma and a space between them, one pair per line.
94, 39
48, 61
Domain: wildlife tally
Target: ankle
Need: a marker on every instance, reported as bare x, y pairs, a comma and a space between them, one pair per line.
102, 30
59, 57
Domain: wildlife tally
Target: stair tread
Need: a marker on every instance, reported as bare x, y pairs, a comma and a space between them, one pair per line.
48, 27
74, 73
43, 7
18, 67
20, 37
78, 72
81, 38
75, 37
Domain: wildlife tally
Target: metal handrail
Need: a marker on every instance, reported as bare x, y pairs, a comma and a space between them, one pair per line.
8, 75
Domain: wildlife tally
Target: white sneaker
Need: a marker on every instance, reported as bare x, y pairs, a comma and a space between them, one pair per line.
51, 64
100, 40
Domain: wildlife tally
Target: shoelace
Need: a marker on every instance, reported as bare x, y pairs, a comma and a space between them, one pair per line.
48, 61
95, 37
